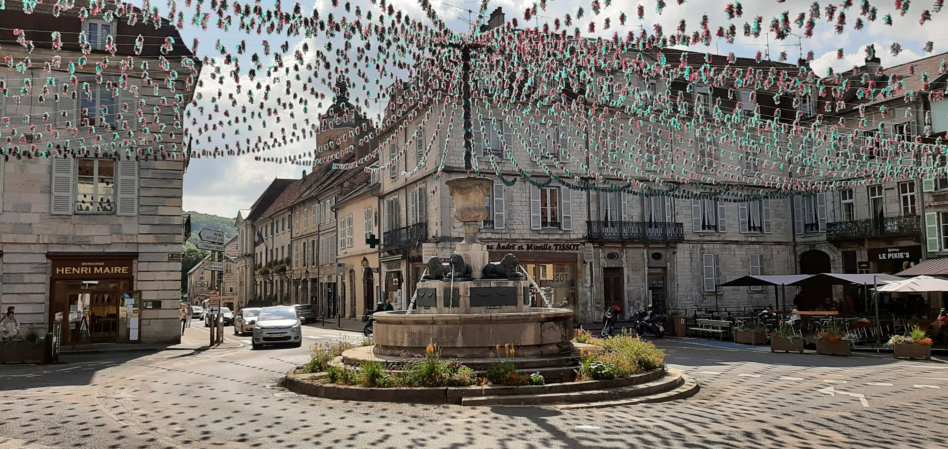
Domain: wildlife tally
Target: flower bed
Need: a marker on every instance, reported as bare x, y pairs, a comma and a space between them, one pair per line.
913, 346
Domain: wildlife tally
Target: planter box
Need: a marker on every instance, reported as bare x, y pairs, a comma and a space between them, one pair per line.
750, 337
22, 352
786, 344
826, 347
912, 351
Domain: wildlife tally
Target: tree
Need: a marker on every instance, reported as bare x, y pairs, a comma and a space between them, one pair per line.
190, 258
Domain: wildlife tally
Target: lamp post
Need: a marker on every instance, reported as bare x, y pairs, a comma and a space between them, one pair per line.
306, 278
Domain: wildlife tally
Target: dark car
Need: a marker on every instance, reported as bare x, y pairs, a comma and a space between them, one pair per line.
306, 312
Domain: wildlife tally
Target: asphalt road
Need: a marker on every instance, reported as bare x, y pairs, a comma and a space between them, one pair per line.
227, 397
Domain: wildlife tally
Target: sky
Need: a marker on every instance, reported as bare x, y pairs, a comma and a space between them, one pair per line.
222, 186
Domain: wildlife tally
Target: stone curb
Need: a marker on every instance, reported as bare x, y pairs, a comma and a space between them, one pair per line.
302, 384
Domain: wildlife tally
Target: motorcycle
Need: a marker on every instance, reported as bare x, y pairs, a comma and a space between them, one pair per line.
769, 320
645, 322
368, 321
609, 320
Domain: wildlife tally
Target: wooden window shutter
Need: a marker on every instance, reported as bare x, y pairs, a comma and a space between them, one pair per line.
928, 185
535, 207
722, 220
742, 216
62, 186
709, 272
696, 214
566, 222
798, 214
500, 218
821, 210
126, 182
766, 215
931, 231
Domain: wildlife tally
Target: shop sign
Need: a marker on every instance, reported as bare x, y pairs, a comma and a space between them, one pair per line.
558, 247
896, 254
862, 265
174, 257
85, 269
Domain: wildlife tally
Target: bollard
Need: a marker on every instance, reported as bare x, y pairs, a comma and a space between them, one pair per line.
212, 333
220, 329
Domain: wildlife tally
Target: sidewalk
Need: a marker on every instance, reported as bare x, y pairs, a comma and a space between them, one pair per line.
195, 338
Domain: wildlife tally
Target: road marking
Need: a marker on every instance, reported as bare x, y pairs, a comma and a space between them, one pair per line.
832, 392
713, 373
926, 386
830, 381
586, 427
285, 395
748, 375
879, 384
791, 378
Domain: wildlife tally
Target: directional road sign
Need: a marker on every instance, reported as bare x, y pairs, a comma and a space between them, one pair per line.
217, 266
208, 246
210, 235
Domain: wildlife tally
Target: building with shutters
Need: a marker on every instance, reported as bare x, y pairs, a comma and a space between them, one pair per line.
82, 226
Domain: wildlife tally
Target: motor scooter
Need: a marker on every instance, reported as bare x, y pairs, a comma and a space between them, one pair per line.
368, 323
609, 320
646, 322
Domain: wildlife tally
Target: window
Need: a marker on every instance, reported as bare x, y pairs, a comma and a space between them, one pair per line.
550, 207
393, 217
707, 152
711, 272
98, 105
903, 131
419, 144
393, 168
346, 233
496, 211
755, 216
708, 215
876, 206
99, 33
658, 209
305, 254
417, 205
807, 105
369, 222
847, 205
756, 269
492, 144
95, 186
944, 233
809, 213
748, 100
553, 142
907, 198
702, 100
315, 213
609, 206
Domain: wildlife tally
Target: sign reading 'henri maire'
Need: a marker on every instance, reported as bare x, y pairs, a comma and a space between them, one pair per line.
104, 268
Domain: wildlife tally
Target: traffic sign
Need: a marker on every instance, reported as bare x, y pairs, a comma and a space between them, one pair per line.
209, 246
217, 266
210, 235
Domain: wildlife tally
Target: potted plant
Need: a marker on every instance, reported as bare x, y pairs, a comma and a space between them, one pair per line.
750, 333
785, 339
833, 342
913, 346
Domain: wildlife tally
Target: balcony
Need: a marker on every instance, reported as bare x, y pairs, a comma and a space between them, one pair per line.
635, 231
907, 226
406, 237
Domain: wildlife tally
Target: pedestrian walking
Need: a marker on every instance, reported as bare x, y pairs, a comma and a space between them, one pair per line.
184, 317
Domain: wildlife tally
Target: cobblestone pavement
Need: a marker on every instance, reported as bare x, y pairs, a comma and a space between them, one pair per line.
229, 398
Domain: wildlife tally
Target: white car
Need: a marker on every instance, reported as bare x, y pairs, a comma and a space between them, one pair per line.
277, 325
243, 323
197, 312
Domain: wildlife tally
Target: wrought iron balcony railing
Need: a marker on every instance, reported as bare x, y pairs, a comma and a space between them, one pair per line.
906, 226
408, 236
635, 231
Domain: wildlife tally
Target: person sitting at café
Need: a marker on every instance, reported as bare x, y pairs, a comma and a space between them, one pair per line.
794, 318
9, 326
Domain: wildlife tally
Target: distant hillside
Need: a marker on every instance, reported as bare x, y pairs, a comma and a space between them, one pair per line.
201, 221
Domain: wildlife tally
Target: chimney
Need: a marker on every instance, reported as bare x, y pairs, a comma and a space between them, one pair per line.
496, 20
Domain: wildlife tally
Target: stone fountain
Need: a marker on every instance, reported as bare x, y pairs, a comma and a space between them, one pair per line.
470, 305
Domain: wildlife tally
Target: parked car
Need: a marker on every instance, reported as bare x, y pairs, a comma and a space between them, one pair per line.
306, 312
277, 325
228, 317
243, 323
197, 312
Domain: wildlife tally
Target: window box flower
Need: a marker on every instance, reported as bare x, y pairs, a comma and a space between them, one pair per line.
913, 346
833, 342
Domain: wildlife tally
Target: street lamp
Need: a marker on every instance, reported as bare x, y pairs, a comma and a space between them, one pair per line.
365, 262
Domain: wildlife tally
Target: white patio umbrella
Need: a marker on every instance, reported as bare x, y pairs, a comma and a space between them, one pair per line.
916, 284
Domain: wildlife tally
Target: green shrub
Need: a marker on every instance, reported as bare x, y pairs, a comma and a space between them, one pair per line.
786, 331
32, 336
622, 356
537, 379
599, 370
370, 373
917, 334
751, 325
503, 372
340, 376
581, 335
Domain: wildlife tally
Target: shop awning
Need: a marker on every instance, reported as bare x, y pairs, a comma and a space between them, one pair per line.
930, 267
916, 284
846, 278
762, 279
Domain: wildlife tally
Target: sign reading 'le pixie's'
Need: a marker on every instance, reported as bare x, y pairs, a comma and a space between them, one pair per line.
91, 269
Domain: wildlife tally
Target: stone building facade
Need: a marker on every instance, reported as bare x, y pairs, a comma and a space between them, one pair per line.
93, 235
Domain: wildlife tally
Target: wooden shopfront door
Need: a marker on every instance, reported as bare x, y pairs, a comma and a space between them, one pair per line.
613, 289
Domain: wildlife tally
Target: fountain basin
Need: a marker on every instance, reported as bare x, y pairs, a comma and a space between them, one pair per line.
534, 332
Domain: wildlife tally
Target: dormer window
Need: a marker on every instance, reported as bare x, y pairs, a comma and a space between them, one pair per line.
99, 32
748, 100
